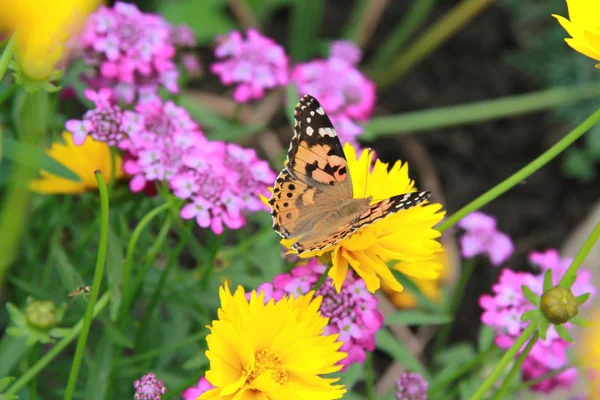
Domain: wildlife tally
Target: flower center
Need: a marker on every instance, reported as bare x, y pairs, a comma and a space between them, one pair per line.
268, 361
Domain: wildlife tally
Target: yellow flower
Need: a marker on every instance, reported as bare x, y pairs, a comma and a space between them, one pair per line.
271, 351
82, 160
43, 29
431, 288
583, 26
588, 351
406, 236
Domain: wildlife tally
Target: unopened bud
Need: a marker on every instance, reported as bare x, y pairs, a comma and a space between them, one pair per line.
559, 305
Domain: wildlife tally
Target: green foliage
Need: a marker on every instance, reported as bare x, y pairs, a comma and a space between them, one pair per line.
548, 60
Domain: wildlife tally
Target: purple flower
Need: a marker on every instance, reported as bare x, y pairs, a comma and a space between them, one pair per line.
107, 122
411, 386
352, 313
503, 311
132, 51
192, 65
194, 392
345, 93
183, 36
481, 237
149, 388
254, 63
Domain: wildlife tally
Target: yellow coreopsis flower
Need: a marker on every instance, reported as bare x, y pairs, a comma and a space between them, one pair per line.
588, 351
271, 351
43, 29
583, 26
406, 236
82, 160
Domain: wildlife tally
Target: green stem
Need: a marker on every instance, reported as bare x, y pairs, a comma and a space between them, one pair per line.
444, 117
56, 350
465, 276
411, 22
7, 56
434, 37
306, 19
98, 275
505, 360
369, 376
524, 173
31, 124
128, 269
583, 252
516, 368
321, 280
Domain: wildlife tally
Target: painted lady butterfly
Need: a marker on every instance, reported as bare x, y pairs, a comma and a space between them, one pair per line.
312, 201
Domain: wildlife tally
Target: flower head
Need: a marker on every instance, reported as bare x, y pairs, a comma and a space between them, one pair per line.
345, 93
37, 323
482, 237
272, 350
405, 236
352, 313
83, 161
345, 50
411, 386
131, 51
583, 27
149, 388
43, 30
254, 63
194, 392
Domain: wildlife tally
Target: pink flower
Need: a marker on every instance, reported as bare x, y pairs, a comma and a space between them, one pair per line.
255, 63
481, 237
192, 65
411, 386
352, 313
194, 392
345, 93
132, 50
503, 311
149, 388
345, 50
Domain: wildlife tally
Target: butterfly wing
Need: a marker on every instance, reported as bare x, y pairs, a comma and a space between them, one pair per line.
316, 156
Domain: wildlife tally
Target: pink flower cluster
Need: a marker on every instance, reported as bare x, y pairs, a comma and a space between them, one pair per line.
352, 313
411, 386
254, 63
132, 52
504, 308
345, 93
149, 388
220, 181
193, 393
482, 237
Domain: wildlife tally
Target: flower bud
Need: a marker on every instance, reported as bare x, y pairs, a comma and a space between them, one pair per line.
558, 305
41, 314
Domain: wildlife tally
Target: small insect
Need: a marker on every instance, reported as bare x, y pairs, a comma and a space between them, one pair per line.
313, 202
81, 290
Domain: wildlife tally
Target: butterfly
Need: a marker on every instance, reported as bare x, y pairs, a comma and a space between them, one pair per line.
312, 200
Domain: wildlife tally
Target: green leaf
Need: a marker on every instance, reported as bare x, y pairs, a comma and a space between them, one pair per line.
547, 280
352, 375
579, 321
456, 354
387, 343
114, 266
197, 361
291, 99
12, 350
4, 382
529, 295
543, 328
99, 376
529, 315
234, 132
307, 16
563, 333
422, 300
116, 336
485, 338
581, 299
34, 157
262, 9
207, 117
207, 18
416, 317
578, 164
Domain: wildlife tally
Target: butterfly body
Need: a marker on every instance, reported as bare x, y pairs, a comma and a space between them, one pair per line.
313, 201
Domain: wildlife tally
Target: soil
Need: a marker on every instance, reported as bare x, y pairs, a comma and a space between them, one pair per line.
469, 160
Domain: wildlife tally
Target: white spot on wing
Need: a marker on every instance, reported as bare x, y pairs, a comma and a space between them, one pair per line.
321, 111
327, 132
308, 119
312, 113
310, 131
